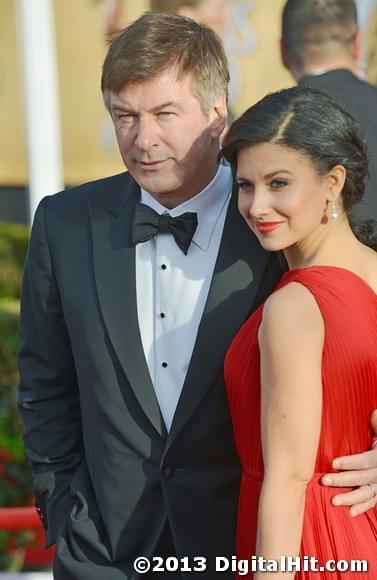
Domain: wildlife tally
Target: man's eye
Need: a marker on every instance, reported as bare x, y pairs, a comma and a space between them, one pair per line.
166, 114
125, 117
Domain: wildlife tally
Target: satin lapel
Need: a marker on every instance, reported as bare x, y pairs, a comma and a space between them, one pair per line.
238, 271
114, 268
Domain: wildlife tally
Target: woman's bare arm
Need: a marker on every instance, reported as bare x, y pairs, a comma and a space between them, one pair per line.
291, 340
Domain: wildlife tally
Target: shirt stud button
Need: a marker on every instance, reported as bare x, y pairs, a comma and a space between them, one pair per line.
164, 365
168, 472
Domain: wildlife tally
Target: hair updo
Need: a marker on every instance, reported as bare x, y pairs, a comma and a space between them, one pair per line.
316, 125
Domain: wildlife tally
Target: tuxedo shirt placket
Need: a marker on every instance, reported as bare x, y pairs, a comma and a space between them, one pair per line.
172, 289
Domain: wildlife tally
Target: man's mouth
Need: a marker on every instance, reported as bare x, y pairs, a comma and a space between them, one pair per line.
152, 165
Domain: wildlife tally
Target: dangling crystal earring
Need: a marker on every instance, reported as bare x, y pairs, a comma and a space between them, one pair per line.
334, 211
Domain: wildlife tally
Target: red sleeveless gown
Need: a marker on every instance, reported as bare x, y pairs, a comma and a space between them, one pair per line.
349, 372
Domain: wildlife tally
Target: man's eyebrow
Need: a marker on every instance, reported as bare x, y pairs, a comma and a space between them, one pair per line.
128, 109
120, 107
164, 106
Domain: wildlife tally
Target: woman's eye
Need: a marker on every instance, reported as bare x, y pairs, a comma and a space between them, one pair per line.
278, 183
245, 186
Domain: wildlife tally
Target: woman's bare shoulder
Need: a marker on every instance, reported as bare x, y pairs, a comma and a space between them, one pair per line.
371, 268
292, 309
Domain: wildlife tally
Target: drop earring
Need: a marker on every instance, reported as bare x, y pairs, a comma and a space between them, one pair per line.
334, 211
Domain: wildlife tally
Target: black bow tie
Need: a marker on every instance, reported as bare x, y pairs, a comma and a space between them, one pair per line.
147, 223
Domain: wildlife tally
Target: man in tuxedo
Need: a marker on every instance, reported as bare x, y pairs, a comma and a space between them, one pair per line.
321, 47
134, 286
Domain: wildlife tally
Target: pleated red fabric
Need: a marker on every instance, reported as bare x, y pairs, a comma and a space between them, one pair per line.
349, 372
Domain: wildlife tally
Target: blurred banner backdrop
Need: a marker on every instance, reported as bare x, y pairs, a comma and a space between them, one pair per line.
88, 144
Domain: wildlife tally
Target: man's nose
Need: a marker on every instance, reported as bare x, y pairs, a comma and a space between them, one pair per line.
146, 135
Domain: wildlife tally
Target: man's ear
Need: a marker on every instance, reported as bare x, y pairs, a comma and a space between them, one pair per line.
295, 71
219, 113
284, 55
356, 47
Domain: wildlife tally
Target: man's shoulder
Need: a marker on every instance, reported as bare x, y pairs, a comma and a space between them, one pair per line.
70, 208
335, 81
363, 87
354, 94
99, 190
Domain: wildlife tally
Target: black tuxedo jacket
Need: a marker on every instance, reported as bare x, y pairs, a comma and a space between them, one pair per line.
107, 475
360, 99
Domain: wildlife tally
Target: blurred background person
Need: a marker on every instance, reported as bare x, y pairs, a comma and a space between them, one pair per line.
321, 47
371, 47
212, 13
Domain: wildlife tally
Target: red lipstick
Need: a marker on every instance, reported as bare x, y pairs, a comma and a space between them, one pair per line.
266, 227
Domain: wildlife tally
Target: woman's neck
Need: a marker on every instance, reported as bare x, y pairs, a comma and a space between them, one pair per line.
335, 245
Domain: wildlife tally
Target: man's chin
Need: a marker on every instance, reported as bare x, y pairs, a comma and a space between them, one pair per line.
158, 186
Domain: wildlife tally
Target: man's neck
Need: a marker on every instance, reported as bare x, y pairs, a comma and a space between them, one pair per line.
320, 68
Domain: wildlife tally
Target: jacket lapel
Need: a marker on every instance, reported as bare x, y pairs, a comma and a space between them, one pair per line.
114, 270
239, 268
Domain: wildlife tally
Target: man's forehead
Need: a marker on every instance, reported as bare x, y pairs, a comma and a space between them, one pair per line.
163, 87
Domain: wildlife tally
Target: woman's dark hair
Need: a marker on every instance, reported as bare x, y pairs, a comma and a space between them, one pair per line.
315, 124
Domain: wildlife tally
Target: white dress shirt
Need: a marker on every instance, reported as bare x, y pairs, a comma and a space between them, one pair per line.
172, 288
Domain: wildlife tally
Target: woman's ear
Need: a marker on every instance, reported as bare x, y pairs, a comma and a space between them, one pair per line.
335, 180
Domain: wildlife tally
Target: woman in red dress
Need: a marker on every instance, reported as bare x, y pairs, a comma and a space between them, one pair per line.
301, 374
